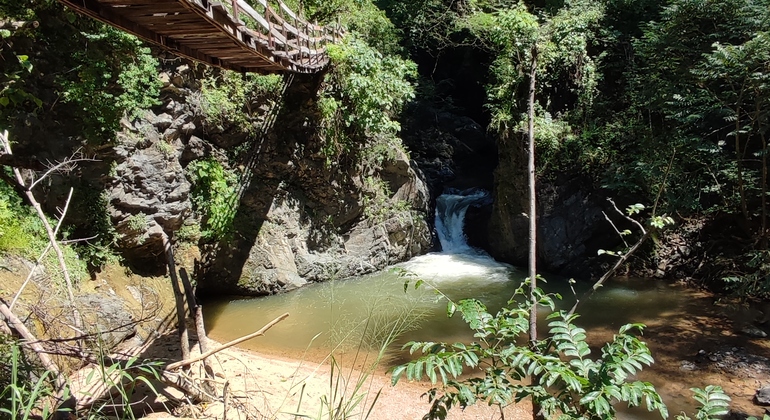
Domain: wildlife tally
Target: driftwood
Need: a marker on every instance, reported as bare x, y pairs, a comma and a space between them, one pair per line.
184, 342
88, 393
227, 345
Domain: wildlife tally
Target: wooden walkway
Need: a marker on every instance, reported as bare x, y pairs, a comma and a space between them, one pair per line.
232, 35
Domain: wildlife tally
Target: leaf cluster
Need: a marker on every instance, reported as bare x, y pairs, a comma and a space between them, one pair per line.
558, 373
214, 196
362, 97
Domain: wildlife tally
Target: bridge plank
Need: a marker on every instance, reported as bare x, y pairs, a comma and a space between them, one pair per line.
206, 31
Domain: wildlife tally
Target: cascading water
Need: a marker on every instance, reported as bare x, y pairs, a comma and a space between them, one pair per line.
458, 262
450, 220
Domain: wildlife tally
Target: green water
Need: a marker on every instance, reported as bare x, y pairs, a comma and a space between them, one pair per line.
354, 315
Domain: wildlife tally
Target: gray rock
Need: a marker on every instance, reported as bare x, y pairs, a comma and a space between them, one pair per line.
148, 183
162, 121
753, 331
107, 317
762, 397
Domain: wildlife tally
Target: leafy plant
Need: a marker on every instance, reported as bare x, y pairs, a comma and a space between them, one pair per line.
137, 222
22, 398
713, 403
115, 77
378, 205
363, 95
214, 195
558, 373
229, 99
121, 378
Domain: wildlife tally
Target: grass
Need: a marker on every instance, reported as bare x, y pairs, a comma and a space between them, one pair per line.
350, 393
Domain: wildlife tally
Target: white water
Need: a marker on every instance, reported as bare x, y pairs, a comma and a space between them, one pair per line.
450, 220
457, 262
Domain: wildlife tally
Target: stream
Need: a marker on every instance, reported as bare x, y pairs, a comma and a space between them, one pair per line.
353, 317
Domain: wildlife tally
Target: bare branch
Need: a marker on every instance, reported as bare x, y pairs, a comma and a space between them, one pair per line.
616, 229
5, 142
64, 166
209, 353
31, 342
599, 283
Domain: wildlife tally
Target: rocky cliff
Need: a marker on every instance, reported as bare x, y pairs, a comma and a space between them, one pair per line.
296, 219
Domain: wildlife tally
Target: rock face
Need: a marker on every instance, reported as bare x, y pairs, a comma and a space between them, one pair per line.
571, 226
297, 217
301, 220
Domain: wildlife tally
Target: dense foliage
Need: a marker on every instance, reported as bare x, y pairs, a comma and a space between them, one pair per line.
565, 381
101, 73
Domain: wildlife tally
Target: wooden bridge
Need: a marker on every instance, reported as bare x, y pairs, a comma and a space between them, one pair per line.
232, 35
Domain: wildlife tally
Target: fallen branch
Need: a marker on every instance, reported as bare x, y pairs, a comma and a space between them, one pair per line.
209, 353
31, 341
6, 144
43, 254
599, 283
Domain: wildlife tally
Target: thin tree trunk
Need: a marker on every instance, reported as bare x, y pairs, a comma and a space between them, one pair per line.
739, 162
763, 139
49, 231
184, 341
536, 409
532, 198
764, 189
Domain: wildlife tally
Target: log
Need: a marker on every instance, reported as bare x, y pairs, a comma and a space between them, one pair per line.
200, 327
209, 353
184, 341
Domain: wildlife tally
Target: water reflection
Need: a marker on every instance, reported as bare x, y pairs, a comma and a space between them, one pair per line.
336, 315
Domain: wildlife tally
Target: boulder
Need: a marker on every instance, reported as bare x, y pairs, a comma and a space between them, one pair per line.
762, 397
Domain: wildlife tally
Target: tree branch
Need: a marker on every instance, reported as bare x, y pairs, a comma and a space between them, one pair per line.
209, 353
599, 283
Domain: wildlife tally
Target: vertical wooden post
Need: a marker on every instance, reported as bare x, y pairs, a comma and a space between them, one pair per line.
184, 341
235, 12
270, 40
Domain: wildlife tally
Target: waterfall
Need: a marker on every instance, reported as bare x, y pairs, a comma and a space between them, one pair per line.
450, 219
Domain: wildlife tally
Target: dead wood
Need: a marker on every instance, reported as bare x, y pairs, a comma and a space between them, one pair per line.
66, 164
623, 258
200, 327
32, 343
227, 345
184, 341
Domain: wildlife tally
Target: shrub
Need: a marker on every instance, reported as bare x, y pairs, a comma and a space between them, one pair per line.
214, 196
227, 98
565, 380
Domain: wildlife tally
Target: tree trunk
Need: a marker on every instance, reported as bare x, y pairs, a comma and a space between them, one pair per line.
532, 272
536, 409
184, 341
739, 163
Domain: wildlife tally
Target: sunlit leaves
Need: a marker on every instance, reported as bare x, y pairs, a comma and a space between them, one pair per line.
567, 381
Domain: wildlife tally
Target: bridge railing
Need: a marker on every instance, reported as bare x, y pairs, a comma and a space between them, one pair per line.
280, 29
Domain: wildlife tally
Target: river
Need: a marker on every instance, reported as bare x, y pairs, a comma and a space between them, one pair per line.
351, 317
